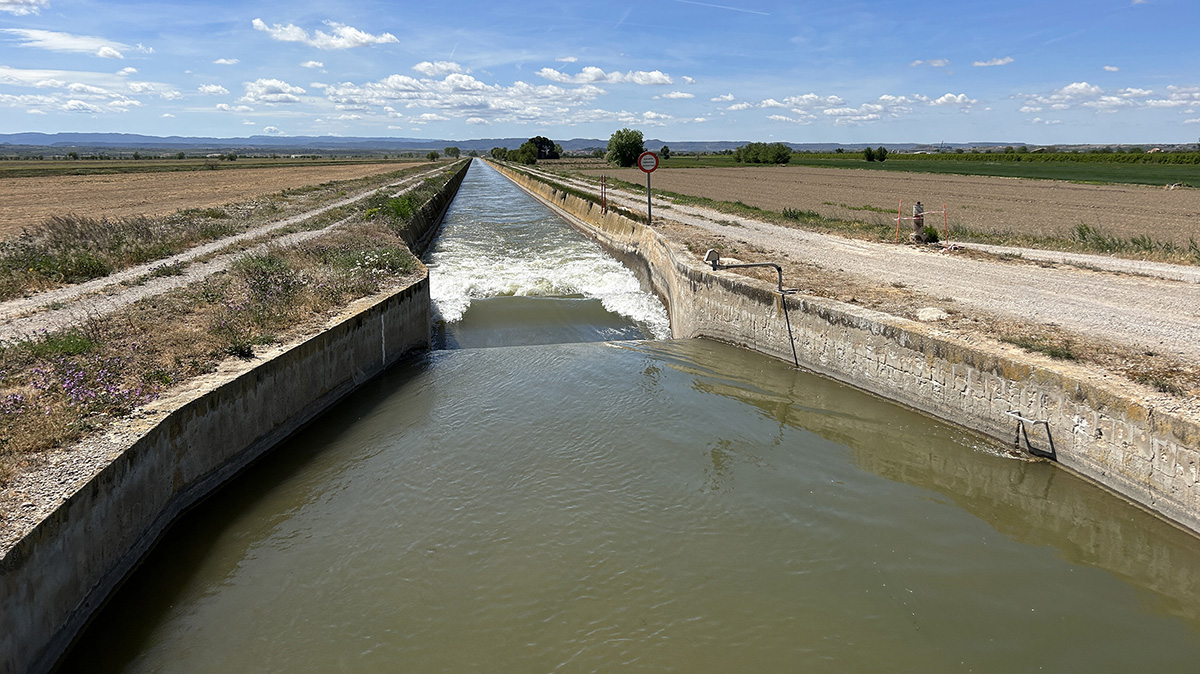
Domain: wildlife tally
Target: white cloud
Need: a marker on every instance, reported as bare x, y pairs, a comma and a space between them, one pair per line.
740, 106
464, 96
124, 72
477, 121
225, 107
676, 95
213, 89
23, 7
771, 103
227, 62
689, 80
566, 59
1112, 69
802, 120
886, 107
312, 64
723, 98
68, 43
1047, 122
342, 37
994, 62
933, 63
594, 75
438, 68
429, 117
272, 130
959, 100
810, 101
167, 115
271, 91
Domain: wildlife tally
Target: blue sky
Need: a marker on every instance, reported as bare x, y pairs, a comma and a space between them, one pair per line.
1043, 72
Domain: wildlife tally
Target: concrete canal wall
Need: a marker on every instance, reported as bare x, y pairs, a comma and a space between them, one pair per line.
186, 446
1100, 429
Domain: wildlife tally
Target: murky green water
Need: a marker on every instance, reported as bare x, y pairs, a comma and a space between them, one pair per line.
674, 505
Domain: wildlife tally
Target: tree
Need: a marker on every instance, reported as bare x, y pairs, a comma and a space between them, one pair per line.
472, 153
598, 153
452, 152
624, 147
499, 153
665, 152
763, 153
869, 154
544, 148
432, 156
181, 155
526, 154
881, 153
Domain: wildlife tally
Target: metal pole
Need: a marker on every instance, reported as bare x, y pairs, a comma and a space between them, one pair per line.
649, 216
945, 223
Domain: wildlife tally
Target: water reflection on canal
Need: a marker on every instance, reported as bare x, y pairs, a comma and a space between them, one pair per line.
673, 505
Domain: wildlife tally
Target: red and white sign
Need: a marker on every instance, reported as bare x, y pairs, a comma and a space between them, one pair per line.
648, 161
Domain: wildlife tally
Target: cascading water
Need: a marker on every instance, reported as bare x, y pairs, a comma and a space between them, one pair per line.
506, 270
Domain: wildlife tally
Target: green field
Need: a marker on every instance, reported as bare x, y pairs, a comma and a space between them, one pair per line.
1075, 171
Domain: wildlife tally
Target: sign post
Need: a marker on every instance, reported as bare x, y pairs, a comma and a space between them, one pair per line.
648, 162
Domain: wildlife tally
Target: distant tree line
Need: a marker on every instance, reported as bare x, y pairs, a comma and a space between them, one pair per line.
763, 153
878, 154
538, 147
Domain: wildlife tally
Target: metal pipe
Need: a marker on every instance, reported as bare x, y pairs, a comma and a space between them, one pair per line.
713, 258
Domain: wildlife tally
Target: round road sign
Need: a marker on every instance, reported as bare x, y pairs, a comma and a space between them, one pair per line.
648, 161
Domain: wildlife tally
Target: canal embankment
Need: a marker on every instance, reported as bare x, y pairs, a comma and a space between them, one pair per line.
1093, 424
183, 446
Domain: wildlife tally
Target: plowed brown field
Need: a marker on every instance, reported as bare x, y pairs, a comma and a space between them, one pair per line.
984, 204
28, 201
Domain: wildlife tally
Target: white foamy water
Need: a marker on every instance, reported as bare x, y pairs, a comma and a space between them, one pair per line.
497, 241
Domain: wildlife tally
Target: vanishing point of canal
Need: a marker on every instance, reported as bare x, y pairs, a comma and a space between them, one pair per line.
560, 488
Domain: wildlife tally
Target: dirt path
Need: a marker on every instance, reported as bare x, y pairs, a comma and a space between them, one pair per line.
31, 200
1146, 313
71, 305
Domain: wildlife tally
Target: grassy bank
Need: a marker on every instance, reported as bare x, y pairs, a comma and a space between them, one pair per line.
57, 387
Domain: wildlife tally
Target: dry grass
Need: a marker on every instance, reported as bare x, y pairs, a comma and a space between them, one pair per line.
30, 201
72, 248
57, 387
1137, 221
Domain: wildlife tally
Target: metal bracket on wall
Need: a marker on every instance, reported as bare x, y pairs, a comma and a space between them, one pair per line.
1022, 432
714, 258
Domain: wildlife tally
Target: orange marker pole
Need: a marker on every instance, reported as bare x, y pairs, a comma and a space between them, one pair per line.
945, 223
899, 215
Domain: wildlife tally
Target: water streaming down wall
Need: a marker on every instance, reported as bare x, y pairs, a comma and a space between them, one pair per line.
508, 271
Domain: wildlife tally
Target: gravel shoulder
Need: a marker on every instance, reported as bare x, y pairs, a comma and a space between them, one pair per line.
1149, 308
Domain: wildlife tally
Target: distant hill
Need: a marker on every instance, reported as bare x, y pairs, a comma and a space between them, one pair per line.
93, 142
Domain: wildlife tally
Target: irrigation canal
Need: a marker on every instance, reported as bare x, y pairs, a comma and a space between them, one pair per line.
561, 488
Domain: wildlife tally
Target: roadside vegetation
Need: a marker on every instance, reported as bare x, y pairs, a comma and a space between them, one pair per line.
57, 387
74, 248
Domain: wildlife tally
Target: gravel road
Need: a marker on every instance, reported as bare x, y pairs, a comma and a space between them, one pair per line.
1147, 306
